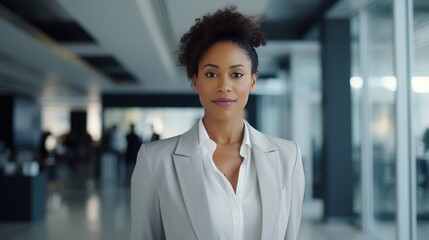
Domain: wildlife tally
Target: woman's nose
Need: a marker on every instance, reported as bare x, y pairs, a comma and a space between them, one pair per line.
224, 85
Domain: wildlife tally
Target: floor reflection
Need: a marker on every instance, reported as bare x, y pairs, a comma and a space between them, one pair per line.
79, 207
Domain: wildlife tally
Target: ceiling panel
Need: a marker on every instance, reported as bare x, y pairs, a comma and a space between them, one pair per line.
183, 13
84, 47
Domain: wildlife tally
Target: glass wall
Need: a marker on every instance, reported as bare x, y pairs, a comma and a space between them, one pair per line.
420, 113
162, 121
373, 66
294, 108
381, 92
356, 84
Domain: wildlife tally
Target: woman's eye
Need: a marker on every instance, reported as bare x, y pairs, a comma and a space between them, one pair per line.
210, 74
236, 75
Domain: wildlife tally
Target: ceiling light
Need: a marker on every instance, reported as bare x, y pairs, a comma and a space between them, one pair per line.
356, 82
420, 84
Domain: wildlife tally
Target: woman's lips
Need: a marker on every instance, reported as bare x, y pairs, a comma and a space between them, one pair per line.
223, 102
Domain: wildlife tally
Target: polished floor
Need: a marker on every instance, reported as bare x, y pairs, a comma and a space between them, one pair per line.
81, 209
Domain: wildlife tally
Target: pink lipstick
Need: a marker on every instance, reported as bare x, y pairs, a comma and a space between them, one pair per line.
223, 102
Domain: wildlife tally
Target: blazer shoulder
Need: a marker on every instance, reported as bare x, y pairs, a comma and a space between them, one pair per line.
283, 144
289, 154
270, 143
287, 149
161, 147
154, 152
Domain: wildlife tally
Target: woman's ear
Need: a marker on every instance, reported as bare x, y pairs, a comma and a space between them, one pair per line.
253, 82
194, 83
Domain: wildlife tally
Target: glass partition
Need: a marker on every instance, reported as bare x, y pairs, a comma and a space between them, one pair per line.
356, 83
381, 90
420, 113
148, 121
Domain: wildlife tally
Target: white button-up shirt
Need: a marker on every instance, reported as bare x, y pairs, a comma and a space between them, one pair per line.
235, 215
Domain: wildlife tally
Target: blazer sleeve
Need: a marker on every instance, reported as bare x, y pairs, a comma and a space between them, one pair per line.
297, 193
146, 221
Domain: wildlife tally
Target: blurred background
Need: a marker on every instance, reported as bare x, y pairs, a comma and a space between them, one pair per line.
84, 83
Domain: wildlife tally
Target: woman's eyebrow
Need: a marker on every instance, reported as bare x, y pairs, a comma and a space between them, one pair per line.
211, 65
236, 66
230, 67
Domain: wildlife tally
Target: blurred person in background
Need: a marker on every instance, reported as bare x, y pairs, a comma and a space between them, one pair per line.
43, 150
155, 136
133, 145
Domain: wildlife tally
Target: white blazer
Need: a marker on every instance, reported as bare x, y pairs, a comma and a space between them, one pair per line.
169, 201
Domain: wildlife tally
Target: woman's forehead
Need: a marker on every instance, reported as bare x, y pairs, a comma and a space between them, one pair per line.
225, 54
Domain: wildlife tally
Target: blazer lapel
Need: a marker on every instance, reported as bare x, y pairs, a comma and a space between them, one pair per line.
268, 173
189, 170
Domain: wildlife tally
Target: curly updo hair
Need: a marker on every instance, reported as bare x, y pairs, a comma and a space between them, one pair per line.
224, 25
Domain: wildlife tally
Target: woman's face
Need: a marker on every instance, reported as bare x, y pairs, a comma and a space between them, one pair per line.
224, 81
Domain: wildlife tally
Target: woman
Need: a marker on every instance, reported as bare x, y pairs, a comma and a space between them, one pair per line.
222, 179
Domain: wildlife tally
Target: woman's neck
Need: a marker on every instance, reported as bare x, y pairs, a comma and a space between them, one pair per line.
224, 132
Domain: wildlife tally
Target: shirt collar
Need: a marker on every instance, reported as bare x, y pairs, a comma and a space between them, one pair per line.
203, 135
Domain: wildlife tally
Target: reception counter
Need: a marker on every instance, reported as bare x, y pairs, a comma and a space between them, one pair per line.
22, 198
